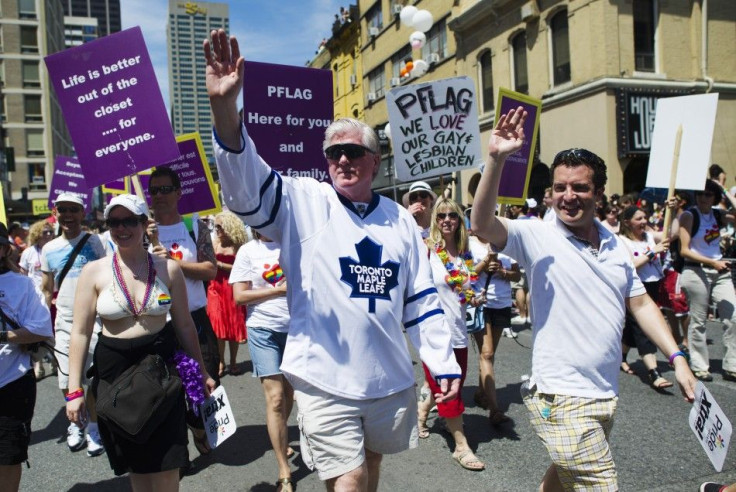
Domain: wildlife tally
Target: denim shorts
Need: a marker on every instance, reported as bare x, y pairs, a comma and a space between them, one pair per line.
266, 351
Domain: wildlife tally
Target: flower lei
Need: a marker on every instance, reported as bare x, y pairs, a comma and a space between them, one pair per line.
191, 379
456, 277
120, 280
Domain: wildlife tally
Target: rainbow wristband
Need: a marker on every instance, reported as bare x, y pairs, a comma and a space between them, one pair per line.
73, 395
677, 354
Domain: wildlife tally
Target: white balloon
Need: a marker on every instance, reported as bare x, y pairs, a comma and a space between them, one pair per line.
387, 130
420, 68
417, 40
407, 14
422, 20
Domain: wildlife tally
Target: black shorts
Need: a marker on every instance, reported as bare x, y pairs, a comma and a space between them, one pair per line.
17, 400
498, 318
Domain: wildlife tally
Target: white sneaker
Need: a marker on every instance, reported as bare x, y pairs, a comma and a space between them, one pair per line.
75, 437
518, 320
94, 442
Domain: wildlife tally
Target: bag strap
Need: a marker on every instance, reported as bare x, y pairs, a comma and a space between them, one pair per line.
72, 258
7, 321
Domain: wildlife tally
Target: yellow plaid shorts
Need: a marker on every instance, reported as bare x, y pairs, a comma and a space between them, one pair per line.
575, 432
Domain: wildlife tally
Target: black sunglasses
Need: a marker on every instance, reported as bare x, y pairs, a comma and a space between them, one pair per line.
164, 190
417, 195
443, 216
128, 222
351, 151
68, 210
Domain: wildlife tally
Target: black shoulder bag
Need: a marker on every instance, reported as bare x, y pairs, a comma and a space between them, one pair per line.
72, 258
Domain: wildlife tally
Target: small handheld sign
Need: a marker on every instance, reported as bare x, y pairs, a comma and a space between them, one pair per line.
710, 425
217, 415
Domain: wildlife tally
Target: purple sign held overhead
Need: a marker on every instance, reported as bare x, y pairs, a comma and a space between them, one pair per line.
286, 111
113, 107
68, 178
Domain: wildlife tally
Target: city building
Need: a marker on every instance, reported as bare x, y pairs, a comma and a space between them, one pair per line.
189, 24
79, 30
107, 13
32, 123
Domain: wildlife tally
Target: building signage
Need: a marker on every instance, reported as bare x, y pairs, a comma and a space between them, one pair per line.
637, 110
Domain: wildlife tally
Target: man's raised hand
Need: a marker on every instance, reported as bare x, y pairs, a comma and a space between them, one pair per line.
508, 135
224, 71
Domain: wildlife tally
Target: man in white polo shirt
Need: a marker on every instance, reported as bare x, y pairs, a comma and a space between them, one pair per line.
582, 281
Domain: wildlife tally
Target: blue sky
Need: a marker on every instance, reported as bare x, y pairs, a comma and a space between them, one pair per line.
287, 32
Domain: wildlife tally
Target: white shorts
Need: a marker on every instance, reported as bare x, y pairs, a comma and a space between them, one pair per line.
336, 431
62, 336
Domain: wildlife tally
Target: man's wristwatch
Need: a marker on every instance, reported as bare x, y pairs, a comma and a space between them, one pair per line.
3, 336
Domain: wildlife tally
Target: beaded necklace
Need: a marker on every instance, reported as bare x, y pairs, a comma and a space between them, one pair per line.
150, 280
456, 276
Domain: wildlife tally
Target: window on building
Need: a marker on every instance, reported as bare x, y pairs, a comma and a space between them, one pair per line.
32, 108
34, 143
36, 176
486, 81
645, 28
560, 48
399, 60
27, 9
374, 17
436, 41
377, 82
518, 49
31, 77
28, 39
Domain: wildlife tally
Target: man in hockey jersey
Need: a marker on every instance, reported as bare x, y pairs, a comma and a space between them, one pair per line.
357, 272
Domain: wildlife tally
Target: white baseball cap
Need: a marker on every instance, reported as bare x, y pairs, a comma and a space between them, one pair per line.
531, 203
69, 198
131, 202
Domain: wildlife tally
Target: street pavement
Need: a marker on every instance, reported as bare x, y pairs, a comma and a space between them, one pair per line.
652, 444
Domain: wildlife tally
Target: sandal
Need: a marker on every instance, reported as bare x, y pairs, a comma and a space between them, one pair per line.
625, 367
290, 452
422, 428
235, 370
284, 485
221, 371
469, 461
657, 381
199, 438
497, 417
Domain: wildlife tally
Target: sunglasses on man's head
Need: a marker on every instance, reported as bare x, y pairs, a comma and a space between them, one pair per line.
443, 216
418, 195
128, 222
351, 151
164, 190
68, 210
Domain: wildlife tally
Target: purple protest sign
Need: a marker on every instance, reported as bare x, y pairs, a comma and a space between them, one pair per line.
516, 172
286, 111
198, 192
117, 186
68, 178
113, 107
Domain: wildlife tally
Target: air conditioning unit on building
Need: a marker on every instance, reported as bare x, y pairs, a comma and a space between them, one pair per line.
372, 97
433, 58
395, 81
353, 79
373, 31
529, 11
397, 9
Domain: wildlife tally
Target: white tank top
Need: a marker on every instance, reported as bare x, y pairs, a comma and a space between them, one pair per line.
706, 240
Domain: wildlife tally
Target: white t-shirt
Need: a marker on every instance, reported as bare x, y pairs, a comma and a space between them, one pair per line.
651, 271
356, 281
258, 262
24, 304
450, 300
55, 255
180, 245
707, 239
30, 261
498, 293
577, 304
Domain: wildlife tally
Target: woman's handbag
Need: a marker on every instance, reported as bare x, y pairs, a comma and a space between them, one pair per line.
136, 403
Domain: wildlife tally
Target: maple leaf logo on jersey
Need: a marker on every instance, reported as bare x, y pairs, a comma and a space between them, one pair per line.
368, 277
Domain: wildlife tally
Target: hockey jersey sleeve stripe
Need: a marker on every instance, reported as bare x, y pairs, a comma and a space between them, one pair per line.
421, 318
276, 203
262, 191
421, 294
224, 147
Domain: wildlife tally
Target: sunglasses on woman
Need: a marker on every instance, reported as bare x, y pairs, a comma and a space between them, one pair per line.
418, 195
451, 215
128, 222
351, 151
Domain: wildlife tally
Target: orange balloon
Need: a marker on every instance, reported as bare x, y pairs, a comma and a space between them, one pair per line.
403, 72
409, 65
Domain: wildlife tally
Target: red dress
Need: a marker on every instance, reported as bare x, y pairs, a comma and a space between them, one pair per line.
227, 318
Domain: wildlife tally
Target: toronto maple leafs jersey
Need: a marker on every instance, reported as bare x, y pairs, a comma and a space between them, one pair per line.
353, 281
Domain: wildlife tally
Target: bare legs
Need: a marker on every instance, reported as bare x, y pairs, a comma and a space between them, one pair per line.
362, 479
233, 347
155, 482
279, 402
10, 477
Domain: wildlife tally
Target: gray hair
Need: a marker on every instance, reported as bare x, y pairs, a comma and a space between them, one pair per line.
348, 125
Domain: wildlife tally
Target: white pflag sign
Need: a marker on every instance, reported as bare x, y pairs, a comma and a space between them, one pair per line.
710, 425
